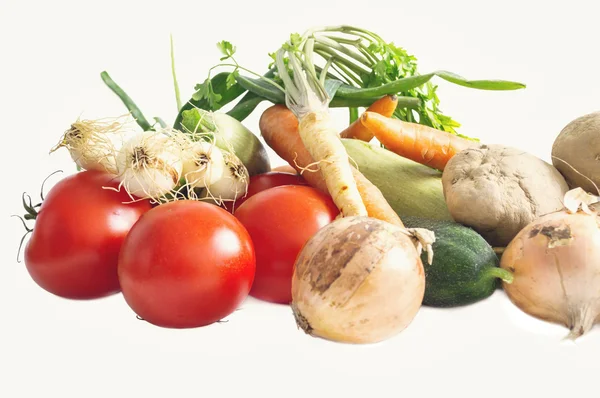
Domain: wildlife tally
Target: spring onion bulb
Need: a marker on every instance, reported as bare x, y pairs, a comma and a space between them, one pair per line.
92, 143
233, 184
150, 163
203, 164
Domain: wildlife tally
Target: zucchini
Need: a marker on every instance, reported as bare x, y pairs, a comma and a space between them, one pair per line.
410, 188
465, 268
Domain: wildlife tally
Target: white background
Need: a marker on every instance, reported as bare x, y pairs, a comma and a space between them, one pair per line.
51, 55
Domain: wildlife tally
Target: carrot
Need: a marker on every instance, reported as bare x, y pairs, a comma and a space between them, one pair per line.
286, 168
384, 106
416, 142
279, 128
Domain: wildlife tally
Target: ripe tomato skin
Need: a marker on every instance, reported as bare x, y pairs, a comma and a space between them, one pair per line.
261, 182
74, 247
186, 264
280, 221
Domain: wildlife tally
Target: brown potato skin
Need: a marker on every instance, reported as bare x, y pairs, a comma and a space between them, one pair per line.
576, 152
498, 190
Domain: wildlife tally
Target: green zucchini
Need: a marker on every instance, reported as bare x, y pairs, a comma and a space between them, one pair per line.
465, 268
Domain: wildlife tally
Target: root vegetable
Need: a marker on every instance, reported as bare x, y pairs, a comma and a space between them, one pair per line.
203, 164
233, 184
149, 164
555, 261
369, 304
92, 144
409, 188
498, 190
576, 152
285, 168
384, 106
307, 97
422, 144
357, 280
228, 135
279, 128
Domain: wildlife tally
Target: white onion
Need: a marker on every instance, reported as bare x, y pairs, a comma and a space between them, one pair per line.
203, 164
92, 144
357, 280
233, 184
555, 261
150, 163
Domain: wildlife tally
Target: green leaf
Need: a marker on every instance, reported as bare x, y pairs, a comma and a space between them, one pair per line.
127, 101
353, 114
479, 84
331, 87
262, 89
374, 47
160, 122
197, 120
206, 92
202, 90
231, 79
226, 48
174, 75
381, 69
296, 39
245, 106
394, 87
294, 43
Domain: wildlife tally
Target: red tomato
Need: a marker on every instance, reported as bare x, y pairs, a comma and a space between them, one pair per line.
74, 247
186, 264
280, 221
260, 182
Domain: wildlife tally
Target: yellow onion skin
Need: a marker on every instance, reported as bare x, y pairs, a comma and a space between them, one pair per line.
555, 261
357, 280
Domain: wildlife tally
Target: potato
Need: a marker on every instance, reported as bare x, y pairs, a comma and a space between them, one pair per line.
498, 190
576, 152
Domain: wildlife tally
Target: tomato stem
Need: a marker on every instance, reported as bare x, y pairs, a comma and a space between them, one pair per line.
27, 232
32, 211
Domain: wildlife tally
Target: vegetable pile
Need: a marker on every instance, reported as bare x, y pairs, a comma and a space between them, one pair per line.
362, 226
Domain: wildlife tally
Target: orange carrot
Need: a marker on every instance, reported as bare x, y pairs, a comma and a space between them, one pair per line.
286, 168
416, 142
384, 106
279, 128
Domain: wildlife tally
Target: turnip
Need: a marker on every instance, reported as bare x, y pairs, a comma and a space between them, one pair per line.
555, 261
